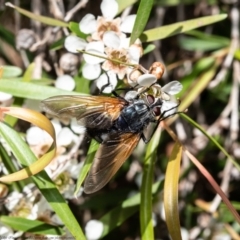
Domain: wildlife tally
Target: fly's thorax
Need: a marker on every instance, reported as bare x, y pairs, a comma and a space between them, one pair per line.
134, 117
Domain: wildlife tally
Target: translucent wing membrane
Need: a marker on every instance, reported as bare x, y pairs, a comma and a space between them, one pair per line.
112, 153
90, 111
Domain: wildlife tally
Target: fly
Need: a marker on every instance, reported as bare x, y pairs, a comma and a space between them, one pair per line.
116, 123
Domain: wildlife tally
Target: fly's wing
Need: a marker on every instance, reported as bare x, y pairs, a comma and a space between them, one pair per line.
90, 111
109, 158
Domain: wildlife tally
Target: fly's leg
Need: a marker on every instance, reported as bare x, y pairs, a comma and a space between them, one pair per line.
161, 118
145, 139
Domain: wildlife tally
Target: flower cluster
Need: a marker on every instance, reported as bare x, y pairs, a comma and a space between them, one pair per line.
106, 39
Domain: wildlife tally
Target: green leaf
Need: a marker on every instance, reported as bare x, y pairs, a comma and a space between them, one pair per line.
31, 226
171, 3
237, 55
31, 90
203, 41
82, 85
149, 48
42, 19
7, 36
143, 13
9, 165
11, 71
171, 192
27, 76
58, 44
123, 4
48, 189
87, 164
193, 44
74, 27
146, 188
209, 37
180, 27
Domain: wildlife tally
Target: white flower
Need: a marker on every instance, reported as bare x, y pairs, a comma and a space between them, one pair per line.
94, 229
65, 82
107, 40
119, 56
170, 103
6, 232
107, 82
12, 200
148, 85
102, 25
99, 28
74, 43
5, 99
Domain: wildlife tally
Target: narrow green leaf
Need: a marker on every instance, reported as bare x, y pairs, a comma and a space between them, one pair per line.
42, 19
143, 13
31, 90
146, 188
237, 54
11, 71
31, 226
171, 192
8, 164
57, 45
180, 27
149, 48
209, 37
74, 27
27, 76
122, 4
87, 164
7, 36
194, 44
26, 157
82, 85
170, 3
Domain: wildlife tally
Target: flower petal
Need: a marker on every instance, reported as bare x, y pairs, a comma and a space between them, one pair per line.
74, 43
128, 23
146, 80
5, 96
130, 95
107, 82
88, 24
95, 48
94, 229
111, 39
91, 71
35, 135
65, 82
79, 129
109, 8
65, 137
134, 54
169, 108
172, 88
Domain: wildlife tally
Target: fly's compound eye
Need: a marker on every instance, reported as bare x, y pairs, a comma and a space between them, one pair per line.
157, 111
150, 99
156, 105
